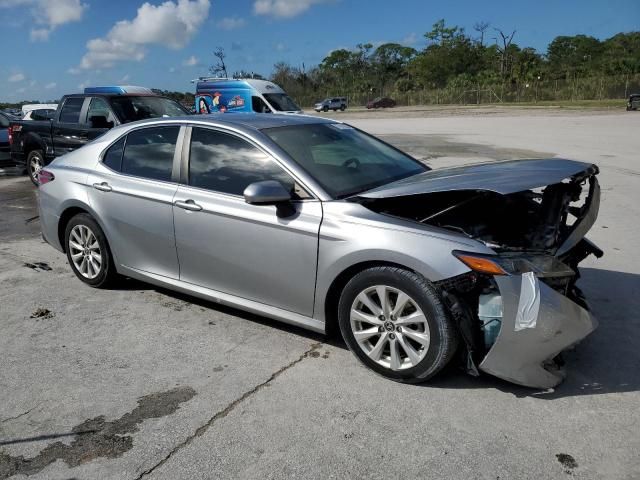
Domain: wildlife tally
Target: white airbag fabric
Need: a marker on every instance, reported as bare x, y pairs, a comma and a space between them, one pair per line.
529, 304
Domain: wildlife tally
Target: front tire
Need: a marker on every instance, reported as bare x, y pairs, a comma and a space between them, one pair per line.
394, 321
35, 163
88, 252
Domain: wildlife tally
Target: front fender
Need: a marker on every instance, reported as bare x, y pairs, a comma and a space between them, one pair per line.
343, 244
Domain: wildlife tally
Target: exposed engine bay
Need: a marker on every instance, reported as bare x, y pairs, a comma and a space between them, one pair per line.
537, 220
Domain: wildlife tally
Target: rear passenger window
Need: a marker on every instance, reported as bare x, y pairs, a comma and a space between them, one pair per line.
71, 110
113, 157
148, 152
225, 163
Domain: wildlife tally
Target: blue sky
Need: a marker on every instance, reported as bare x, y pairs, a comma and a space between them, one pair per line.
53, 47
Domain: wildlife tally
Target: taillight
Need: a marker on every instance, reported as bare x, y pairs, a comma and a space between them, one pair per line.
12, 129
44, 176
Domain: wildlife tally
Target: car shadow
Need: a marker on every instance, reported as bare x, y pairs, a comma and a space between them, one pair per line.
605, 362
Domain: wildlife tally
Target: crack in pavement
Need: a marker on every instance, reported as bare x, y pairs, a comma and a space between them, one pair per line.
20, 415
228, 409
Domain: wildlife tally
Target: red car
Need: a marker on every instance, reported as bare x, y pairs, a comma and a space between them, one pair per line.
384, 102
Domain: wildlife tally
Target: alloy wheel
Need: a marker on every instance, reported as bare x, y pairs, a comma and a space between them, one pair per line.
85, 252
35, 165
390, 327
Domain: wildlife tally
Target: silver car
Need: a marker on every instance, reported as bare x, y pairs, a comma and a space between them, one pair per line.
318, 224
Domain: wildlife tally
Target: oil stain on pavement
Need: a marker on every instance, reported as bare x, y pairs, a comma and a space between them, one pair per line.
96, 437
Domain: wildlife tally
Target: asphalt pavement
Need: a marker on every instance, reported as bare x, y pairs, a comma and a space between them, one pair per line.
138, 382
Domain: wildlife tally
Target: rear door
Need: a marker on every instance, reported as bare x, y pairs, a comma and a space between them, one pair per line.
133, 189
251, 251
68, 133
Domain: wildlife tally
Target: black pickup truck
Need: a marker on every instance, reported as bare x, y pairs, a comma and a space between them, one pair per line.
79, 119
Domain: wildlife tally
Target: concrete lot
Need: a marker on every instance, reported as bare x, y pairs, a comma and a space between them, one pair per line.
143, 383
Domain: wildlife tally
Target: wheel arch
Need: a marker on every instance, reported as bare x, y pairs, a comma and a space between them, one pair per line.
34, 142
332, 297
71, 210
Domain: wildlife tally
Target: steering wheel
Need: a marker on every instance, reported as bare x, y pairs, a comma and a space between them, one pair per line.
352, 161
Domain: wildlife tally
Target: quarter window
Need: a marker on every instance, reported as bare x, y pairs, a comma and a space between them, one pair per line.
225, 163
149, 152
71, 110
113, 157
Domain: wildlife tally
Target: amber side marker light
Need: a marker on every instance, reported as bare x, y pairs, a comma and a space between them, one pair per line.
480, 264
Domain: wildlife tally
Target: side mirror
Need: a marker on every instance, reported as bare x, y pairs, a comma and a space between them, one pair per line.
267, 192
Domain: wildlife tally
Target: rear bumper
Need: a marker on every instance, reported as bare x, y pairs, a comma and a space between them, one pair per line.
533, 332
49, 220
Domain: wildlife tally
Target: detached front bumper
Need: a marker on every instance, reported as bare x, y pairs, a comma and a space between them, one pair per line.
537, 324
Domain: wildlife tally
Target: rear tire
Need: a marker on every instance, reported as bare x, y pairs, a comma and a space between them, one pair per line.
35, 163
325, 109
411, 339
342, 108
88, 252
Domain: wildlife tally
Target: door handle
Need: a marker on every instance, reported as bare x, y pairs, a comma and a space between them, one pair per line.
188, 205
103, 187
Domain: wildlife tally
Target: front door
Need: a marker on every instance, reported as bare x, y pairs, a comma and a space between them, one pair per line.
132, 190
261, 253
69, 133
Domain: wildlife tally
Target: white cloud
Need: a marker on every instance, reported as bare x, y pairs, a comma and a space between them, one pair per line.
231, 23
39, 34
74, 71
17, 77
124, 79
33, 83
51, 85
21, 90
169, 24
410, 39
48, 14
283, 8
192, 61
84, 84
14, 3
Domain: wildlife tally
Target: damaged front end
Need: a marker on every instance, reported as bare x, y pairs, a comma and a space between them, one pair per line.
519, 309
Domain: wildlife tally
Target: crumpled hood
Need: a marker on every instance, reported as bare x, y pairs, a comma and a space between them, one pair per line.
500, 177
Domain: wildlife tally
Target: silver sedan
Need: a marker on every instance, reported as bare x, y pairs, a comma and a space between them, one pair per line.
318, 224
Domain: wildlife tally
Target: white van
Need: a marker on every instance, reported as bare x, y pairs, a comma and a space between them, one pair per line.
242, 95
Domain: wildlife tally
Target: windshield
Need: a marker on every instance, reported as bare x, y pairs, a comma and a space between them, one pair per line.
282, 102
342, 159
130, 109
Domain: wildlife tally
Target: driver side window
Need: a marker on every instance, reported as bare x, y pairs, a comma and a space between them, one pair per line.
227, 164
99, 114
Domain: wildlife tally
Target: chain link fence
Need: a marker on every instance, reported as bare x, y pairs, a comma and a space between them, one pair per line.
532, 91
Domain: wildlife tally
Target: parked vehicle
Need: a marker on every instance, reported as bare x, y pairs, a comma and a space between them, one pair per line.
333, 103
315, 223
5, 149
634, 102
38, 106
215, 95
40, 114
79, 119
381, 102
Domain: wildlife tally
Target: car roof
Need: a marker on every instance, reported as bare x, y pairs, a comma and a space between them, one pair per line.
246, 121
